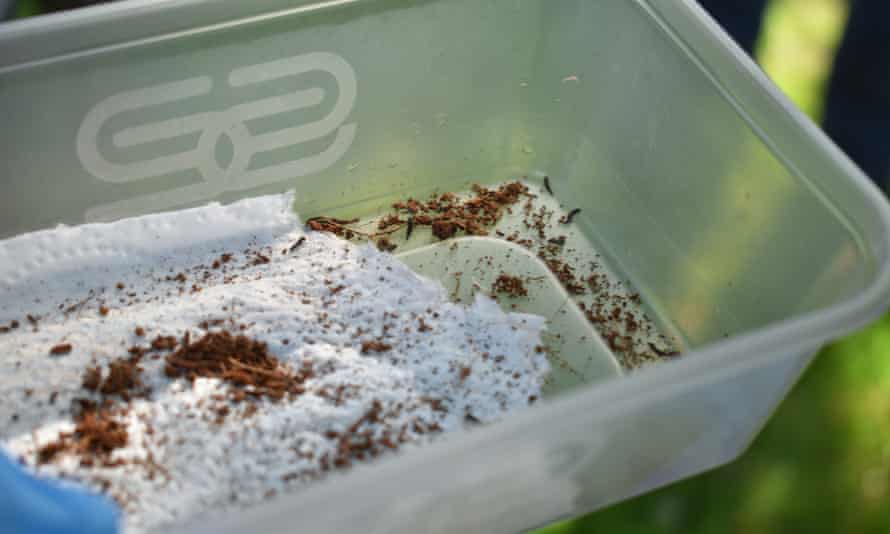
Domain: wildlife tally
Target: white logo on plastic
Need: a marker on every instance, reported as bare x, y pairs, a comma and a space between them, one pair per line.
212, 126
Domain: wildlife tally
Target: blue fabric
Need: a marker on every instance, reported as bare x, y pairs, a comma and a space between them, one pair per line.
29, 505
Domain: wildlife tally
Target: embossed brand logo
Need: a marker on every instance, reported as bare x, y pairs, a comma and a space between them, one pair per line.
211, 127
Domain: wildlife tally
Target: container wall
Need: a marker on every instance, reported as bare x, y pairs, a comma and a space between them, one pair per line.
720, 234
345, 104
360, 102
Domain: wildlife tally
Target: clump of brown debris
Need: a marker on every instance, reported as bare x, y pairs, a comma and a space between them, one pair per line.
238, 360
608, 306
241, 361
97, 433
446, 214
99, 427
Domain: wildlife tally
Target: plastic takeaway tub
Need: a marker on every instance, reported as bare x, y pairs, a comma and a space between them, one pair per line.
750, 237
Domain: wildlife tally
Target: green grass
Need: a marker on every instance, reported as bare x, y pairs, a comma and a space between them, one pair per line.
27, 8
797, 46
822, 464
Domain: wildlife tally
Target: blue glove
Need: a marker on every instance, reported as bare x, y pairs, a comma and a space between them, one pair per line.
29, 505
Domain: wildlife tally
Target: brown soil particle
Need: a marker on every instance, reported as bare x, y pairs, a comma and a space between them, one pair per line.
336, 289
164, 343
375, 346
208, 323
260, 259
48, 452
123, 378
61, 349
465, 373
12, 326
139, 331
423, 326
386, 245
222, 412
92, 378
444, 229
389, 221
250, 411
511, 285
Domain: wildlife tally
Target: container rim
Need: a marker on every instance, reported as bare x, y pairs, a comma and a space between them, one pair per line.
104, 27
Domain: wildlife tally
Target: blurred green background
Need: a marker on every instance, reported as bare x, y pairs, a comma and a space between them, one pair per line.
822, 464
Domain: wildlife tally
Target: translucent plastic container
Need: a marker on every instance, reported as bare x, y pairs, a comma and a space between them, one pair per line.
750, 237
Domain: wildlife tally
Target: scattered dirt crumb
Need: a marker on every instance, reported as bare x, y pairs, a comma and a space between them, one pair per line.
92, 378
164, 343
511, 285
386, 245
375, 346
61, 349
